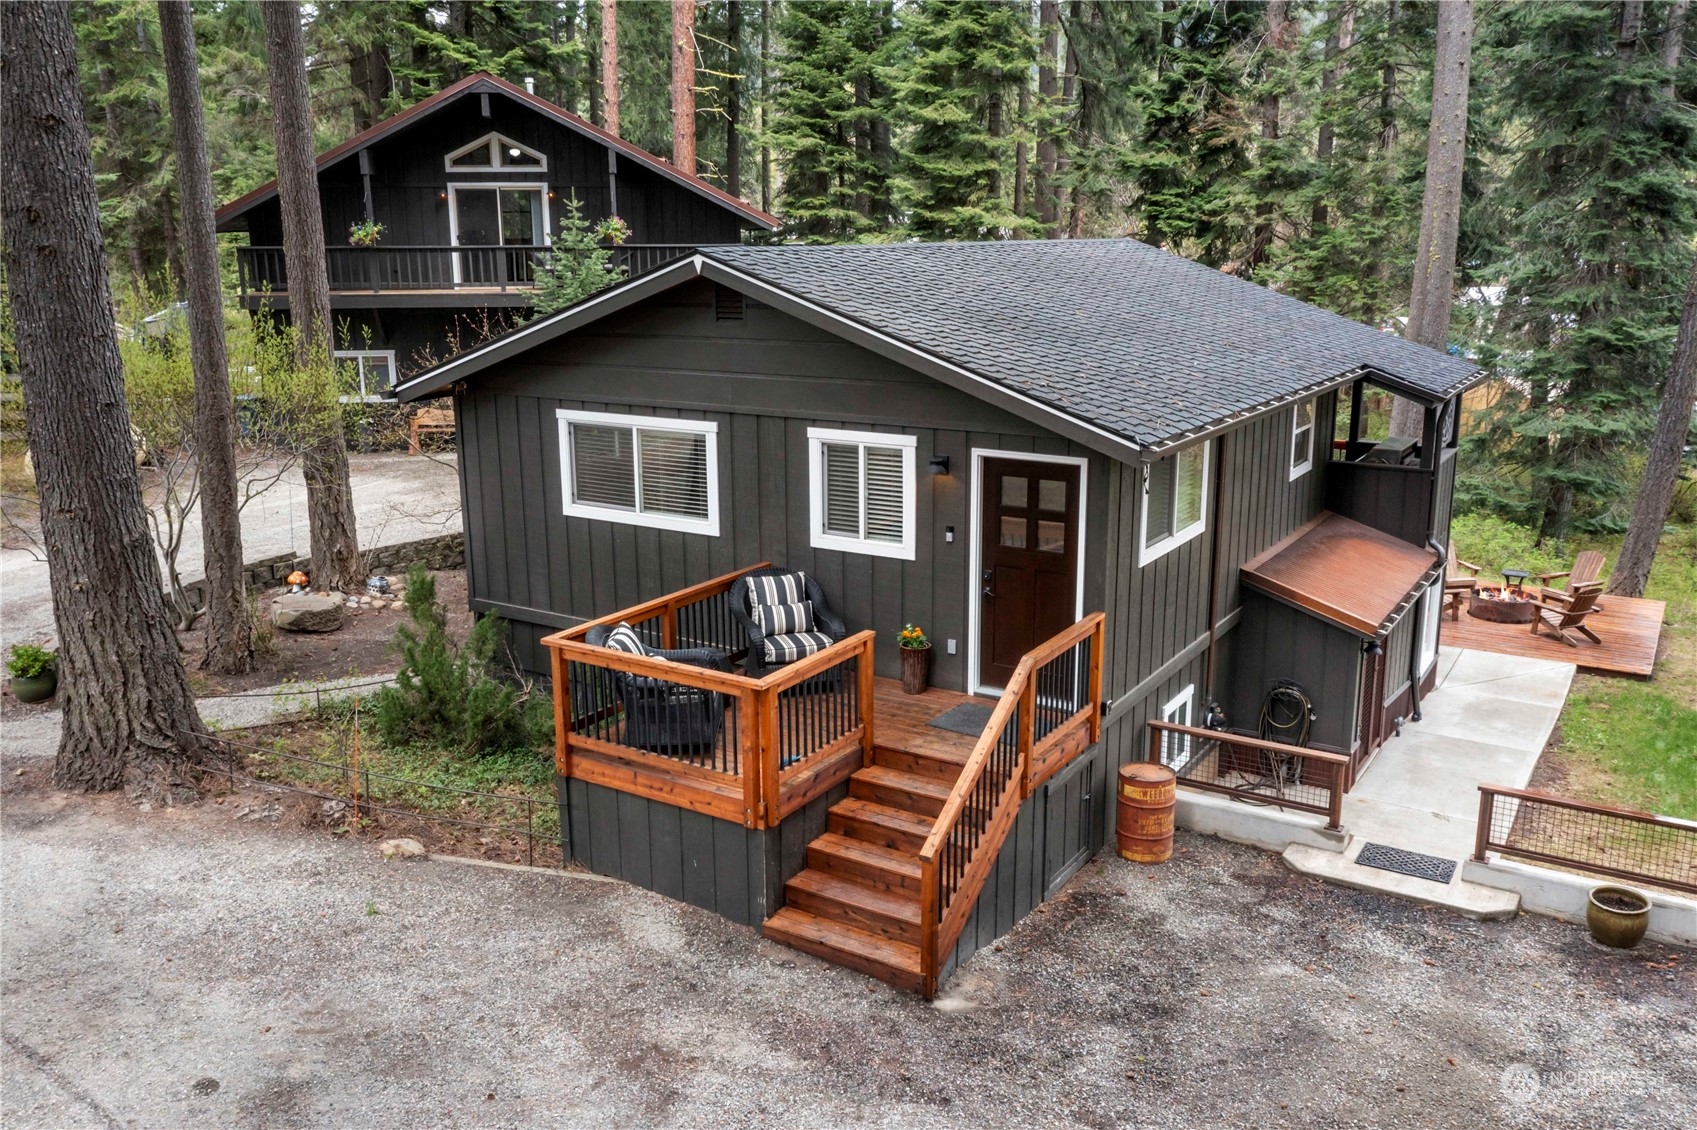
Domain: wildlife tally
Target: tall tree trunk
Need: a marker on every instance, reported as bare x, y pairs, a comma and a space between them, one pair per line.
610, 66
369, 74
760, 109
459, 28
1338, 42
733, 99
329, 497
1661, 466
1440, 213
1072, 87
1048, 202
1022, 156
683, 85
1278, 34
229, 632
1673, 41
128, 716
996, 124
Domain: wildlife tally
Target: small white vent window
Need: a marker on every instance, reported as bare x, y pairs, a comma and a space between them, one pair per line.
640, 470
861, 490
494, 151
1302, 440
1175, 748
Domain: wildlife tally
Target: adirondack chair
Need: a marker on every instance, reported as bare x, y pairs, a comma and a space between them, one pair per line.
1560, 619
1460, 579
1587, 573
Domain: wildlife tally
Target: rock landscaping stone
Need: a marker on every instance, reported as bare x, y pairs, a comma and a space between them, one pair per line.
307, 612
405, 848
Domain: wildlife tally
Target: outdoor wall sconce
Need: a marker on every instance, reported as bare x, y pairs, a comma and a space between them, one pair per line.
441, 196
939, 464
1372, 648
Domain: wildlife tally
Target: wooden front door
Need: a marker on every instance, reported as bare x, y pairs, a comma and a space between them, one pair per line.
1028, 560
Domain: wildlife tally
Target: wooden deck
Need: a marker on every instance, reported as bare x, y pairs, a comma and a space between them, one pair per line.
902, 721
1630, 629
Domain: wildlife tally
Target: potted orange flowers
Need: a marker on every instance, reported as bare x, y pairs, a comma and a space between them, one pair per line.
916, 659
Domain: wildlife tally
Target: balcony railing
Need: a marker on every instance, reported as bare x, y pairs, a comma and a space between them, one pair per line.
391, 269
1249, 769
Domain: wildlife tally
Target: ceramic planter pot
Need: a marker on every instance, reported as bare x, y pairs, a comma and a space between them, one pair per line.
35, 688
1617, 916
916, 668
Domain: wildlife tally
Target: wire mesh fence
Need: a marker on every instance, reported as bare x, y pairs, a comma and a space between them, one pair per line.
1636, 846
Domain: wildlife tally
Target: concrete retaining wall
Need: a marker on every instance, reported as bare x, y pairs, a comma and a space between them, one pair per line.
445, 551
1241, 823
1558, 894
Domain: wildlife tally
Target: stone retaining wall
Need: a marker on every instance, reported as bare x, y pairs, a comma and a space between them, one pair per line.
445, 551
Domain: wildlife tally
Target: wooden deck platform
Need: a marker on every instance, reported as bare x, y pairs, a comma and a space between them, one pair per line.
1631, 630
903, 721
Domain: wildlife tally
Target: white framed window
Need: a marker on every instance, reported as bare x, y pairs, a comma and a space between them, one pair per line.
1175, 502
649, 471
1301, 439
861, 492
1431, 610
495, 151
1175, 748
370, 372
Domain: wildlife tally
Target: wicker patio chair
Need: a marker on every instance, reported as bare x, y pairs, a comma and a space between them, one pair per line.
825, 621
666, 717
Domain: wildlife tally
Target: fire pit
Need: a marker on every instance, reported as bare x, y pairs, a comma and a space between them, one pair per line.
1501, 605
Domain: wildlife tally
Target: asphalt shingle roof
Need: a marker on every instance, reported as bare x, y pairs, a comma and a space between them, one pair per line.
1133, 339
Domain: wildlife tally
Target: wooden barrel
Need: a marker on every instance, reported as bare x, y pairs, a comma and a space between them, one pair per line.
1147, 794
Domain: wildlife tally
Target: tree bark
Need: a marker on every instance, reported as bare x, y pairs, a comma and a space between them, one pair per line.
370, 76
229, 631
1022, 155
610, 66
733, 99
760, 107
1673, 41
128, 716
1336, 44
1278, 36
324, 464
1661, 466
683, 85
1048, 203
1440, 214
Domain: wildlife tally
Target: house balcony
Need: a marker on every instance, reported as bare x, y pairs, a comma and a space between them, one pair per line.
414, 276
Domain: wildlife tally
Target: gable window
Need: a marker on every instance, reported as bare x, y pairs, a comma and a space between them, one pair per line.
640, 470
493, 151
1302, 440
370, 373
1175, 501
1175, 748
861, 492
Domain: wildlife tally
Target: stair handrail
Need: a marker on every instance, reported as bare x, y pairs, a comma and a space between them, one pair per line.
1018, 695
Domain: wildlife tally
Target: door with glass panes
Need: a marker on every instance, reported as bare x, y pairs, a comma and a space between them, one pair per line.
500, 227
1028, 560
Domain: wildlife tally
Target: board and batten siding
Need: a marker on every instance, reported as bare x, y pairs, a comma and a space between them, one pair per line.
764, 380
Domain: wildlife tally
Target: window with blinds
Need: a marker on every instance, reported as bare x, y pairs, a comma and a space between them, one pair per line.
862, 490
1175, 501
640, 470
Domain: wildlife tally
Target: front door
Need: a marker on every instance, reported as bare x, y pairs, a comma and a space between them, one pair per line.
493, 220
1028, 560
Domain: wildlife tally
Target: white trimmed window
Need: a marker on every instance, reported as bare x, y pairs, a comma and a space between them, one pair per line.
1175, 502
640, 470
370, 372
1302, 440
1175, 748
495, 151
1431, 610
861, 492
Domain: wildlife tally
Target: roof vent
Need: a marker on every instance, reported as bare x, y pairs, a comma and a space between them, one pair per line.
529, 85
727, 304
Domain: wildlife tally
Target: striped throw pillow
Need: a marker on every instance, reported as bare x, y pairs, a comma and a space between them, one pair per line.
785, 588
624, 638
781, 619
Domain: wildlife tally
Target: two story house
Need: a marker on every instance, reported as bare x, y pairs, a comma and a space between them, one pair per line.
1113, 486
470, 185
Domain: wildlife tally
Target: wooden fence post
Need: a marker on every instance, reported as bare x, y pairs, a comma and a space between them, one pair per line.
1482, 832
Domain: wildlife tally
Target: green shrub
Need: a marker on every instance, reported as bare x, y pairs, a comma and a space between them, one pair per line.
447, 696
27, 661
1495, 544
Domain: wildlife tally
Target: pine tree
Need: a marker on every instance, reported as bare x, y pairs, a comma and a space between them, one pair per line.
577, 264
962, 58
1600, 209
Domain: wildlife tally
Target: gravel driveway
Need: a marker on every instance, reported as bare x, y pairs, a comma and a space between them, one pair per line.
189, 968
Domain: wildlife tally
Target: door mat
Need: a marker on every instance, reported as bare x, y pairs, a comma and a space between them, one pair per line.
968, 718
1387, 858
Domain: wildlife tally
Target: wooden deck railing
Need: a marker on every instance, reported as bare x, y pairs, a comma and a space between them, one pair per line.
1050, 710
1617, 842
394, 267
1252, 770
716, 742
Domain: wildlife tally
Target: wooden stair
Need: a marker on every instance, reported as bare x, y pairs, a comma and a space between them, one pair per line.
857, 902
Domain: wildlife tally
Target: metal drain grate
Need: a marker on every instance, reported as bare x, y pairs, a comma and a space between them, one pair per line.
1387, 858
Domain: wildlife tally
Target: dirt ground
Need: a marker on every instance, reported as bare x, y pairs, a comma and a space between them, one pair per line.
362, 647
202, 967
